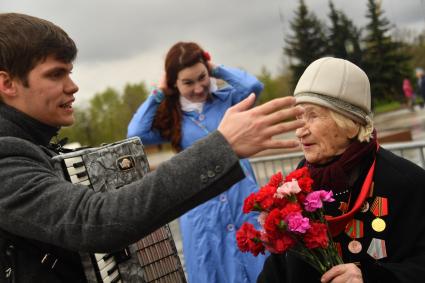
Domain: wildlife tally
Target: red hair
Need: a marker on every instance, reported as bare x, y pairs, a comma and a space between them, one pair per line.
168, 117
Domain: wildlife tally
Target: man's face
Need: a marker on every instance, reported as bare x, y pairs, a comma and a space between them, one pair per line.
50, 93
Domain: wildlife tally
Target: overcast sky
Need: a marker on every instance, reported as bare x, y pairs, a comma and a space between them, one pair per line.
125, 41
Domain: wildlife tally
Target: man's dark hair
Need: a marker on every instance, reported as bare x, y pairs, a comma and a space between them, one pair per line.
25, 41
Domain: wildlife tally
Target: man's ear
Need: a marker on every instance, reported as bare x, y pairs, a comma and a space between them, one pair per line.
7, 84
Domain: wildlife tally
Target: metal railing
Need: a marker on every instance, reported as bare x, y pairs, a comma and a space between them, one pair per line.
266, 166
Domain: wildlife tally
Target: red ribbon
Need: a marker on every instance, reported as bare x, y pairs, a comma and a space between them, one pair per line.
379, 206
337, 223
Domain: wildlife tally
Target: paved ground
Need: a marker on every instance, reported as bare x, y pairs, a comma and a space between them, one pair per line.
401, 120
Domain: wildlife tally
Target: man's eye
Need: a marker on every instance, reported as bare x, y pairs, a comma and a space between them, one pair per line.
56, 74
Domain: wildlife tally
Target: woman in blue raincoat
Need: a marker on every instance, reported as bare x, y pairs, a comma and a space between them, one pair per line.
184, 108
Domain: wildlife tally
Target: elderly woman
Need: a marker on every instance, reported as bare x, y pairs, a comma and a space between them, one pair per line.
377, 219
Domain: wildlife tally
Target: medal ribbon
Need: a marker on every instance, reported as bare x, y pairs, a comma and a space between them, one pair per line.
379, 207
354, 229
377, 249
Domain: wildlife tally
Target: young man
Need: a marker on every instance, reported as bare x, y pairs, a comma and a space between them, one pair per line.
42, 214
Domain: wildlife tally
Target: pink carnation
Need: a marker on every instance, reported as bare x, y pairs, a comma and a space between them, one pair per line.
288, 188
314, 200
297, 223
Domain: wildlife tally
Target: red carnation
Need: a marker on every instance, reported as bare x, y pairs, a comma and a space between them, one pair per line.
276, 180
249, 239
301, 197
280, 244
274, 223
305, 184
297, 174
290, 208
316, 236
249, 203
280, 202
265, 197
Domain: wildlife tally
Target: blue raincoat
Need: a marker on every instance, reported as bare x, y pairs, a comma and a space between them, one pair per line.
209, 230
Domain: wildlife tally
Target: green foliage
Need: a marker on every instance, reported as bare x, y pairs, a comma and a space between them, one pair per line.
274, 87
344, 37
107, 116
308, 41
417, 50
385, 61
382, 107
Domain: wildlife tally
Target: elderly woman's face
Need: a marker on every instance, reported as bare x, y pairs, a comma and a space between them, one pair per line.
321, 138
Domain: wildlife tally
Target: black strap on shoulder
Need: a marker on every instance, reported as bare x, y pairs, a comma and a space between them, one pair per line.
51, 262
7, 261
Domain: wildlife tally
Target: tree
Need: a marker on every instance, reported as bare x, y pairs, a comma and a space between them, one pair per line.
307, 43
384, 60
344, 37
81, 130
107, 116
133, 96
274, 87
418, 51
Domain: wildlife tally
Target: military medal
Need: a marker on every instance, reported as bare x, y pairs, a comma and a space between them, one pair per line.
364, 207
355, 247
377, 249
343, 206
354, 230
378, 224
379, 208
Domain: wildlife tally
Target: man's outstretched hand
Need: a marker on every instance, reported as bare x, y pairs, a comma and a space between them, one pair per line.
250, 130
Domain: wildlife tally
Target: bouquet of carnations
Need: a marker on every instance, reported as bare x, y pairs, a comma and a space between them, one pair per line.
292, 219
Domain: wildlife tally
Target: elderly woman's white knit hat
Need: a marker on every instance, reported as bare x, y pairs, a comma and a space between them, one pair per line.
337, 84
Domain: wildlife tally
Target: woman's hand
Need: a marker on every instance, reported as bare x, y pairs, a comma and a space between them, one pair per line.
343, 273
211, 66
162, 85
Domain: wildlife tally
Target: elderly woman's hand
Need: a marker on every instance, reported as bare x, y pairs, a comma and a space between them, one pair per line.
343, 273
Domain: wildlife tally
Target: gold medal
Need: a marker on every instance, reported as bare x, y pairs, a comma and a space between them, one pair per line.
355, 247
379, 208
364, 207
378, 224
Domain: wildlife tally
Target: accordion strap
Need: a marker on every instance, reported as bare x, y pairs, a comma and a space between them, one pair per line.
51, 263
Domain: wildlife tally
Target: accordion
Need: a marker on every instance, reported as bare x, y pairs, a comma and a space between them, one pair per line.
153, 258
